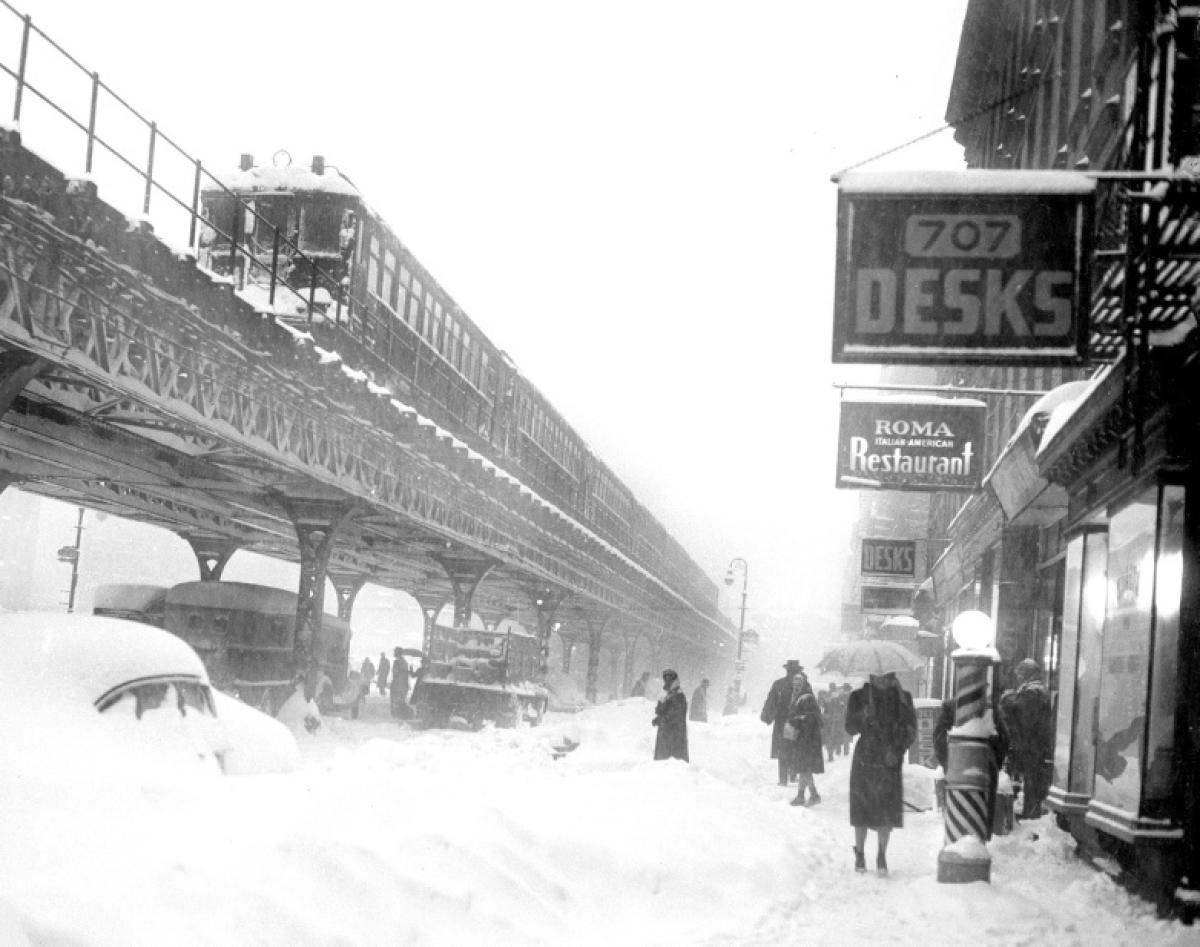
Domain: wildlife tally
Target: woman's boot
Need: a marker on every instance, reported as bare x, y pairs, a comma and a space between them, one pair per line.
860, 860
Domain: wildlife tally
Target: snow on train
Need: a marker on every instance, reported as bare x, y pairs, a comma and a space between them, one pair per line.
367, 297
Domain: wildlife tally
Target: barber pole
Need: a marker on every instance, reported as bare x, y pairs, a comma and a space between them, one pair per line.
964, 856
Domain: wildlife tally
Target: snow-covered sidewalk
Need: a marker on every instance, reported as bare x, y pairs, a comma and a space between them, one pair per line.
400, 837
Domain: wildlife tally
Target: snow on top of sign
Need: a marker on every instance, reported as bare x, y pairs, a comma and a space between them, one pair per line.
966, 182
1061, 412
917, 399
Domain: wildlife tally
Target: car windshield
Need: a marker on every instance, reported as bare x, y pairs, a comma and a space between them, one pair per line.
183, 697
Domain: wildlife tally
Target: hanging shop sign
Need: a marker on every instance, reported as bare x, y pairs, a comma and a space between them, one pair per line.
921, 443
887, 599
963, 266
889, 557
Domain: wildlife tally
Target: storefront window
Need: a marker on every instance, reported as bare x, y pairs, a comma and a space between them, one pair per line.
1087, 675
1125, 664
1168, 581
1070, 650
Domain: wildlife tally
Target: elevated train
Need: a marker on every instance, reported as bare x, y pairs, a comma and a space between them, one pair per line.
369, 298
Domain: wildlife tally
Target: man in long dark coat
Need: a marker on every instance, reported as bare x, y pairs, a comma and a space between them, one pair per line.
881, 713
382, 674
1027, 711
775, 712
670, 716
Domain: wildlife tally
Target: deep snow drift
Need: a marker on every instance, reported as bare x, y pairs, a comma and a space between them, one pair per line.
392, 836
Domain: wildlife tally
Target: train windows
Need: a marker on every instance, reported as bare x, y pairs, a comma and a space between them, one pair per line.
413, 316
320, 228
433, 322
273, 213
373, 267
455, 344
387, 289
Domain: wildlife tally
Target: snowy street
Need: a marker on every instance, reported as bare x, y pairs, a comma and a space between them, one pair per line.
388, 835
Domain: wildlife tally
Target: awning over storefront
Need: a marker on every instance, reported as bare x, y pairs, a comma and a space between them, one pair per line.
1028, 498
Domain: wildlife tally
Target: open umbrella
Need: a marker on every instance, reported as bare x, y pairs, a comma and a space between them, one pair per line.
871, 656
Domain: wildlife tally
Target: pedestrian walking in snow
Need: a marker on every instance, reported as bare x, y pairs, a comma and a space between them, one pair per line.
381, 676
639, 686
399, 703
881, 713
774, 713
366, 674
1026, 710
804, 722
699, 709
670, 716
842, 733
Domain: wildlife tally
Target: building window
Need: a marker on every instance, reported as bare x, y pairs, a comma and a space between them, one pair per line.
1072, 590
1168, 585
1093, 597
1124, 664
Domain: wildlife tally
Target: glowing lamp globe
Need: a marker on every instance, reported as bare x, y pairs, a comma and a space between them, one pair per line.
973, 631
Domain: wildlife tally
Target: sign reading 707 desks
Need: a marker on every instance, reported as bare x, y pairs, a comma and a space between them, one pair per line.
963, 266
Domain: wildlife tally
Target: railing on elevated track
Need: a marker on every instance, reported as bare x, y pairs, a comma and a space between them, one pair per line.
34, 39
181, 189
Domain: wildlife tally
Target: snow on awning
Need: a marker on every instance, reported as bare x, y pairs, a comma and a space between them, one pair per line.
966, 182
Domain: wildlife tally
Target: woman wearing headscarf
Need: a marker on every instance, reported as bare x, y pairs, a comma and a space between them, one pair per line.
881, 713
804, 721
670, 716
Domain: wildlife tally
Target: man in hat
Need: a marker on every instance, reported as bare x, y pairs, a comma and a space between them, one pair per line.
1027, 711
775, 713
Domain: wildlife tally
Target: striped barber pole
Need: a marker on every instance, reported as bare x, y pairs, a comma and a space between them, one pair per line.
966, 813
970, 692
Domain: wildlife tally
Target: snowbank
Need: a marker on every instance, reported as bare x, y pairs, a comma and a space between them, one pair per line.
388, 835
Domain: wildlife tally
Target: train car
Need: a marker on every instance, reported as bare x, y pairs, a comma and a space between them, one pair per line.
471, 677
303, 243
135, 602
244, 633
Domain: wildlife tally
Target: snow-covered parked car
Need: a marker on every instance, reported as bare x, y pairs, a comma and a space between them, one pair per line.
148, 688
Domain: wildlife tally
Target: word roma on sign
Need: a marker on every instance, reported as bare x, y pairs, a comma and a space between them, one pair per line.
963, 266
922, 443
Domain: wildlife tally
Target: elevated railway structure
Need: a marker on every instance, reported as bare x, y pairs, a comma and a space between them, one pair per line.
247, 406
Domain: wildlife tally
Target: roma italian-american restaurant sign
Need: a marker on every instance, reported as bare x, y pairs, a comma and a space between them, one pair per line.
915, 443
963, 266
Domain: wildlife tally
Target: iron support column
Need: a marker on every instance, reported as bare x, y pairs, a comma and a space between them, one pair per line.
631, 641
431, 603
317, 524
212, 554
347, 586
546, 601
595, 628
465, 573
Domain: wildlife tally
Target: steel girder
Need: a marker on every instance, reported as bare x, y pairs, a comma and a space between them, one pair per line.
123, 340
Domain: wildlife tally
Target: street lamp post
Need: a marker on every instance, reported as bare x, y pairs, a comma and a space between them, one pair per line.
71, 554
738, 564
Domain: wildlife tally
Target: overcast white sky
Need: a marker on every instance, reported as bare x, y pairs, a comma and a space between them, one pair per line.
631, 198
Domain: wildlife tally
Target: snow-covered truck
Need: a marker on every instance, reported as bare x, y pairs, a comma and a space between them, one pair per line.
472, 676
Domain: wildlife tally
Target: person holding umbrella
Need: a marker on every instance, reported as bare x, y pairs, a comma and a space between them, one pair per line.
882, 713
